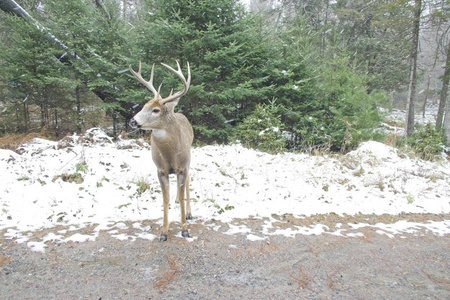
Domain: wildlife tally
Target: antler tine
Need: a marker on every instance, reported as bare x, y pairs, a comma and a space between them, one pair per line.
159, 89
186, 83
147, 84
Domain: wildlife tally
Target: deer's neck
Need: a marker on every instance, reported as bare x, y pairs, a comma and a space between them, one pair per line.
167, 129
159, 133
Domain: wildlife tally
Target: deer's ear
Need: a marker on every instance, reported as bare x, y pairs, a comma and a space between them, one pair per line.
171, 104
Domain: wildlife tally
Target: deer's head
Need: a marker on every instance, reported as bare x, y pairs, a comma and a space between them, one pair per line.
157, 112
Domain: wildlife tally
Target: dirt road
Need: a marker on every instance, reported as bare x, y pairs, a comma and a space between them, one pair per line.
221, 266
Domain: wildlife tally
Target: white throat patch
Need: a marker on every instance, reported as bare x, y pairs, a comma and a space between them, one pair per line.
159, 133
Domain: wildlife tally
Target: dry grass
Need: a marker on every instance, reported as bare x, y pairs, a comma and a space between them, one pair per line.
168, 275
12, 141
302, 279
333, 278
437, 280
4, 260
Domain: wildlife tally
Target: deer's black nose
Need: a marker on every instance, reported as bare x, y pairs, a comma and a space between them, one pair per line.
133, 123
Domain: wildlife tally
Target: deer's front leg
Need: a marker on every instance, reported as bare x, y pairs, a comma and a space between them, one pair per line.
181, 185
164, 182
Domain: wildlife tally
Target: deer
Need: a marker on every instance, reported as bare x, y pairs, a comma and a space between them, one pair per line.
171, 139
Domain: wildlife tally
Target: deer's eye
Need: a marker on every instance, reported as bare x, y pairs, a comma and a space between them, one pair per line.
156, 110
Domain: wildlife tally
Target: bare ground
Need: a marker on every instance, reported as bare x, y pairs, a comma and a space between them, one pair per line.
221, 266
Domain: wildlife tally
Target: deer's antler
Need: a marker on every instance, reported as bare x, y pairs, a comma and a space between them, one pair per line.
147, 84
186, 83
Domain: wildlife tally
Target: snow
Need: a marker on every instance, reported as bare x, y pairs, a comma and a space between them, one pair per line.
90, 180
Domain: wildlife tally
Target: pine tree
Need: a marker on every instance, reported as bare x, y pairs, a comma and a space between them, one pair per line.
96, 31
32, 75
227, 58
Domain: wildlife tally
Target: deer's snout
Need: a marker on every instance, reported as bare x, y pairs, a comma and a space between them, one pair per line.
133, 123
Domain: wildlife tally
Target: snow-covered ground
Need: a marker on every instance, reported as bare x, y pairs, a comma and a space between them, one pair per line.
90, 180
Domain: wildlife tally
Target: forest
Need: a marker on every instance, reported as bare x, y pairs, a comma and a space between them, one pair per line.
274, 75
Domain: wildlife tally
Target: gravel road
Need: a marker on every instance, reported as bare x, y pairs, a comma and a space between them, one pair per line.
215, 265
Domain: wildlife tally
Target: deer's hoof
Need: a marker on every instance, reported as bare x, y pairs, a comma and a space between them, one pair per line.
185, 233
189, 216
163, 237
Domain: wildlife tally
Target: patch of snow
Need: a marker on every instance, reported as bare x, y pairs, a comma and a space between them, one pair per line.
252, 237
237, 229
39, 191
146, 236
122, 237
79, 238
37, 246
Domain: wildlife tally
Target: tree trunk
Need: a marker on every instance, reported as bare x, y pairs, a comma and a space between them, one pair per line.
444, 108
78, 100
446, 125
413, 69
427, 92
444, 91
433, 67
114, 117
26, 115
56, 122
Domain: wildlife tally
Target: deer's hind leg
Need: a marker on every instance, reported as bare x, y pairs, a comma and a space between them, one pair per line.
188, 202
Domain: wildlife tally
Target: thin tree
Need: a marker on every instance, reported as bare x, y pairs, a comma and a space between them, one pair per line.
446, 125
444, 90
443, 116
413, 68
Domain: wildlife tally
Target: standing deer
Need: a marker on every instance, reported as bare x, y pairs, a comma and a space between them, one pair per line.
171, 141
